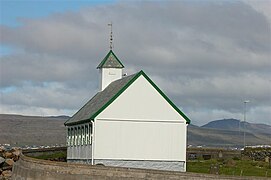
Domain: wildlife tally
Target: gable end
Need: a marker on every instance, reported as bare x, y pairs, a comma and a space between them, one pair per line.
153, 84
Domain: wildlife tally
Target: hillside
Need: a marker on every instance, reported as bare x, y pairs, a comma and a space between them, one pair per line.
32, 130
224, 138
226, 132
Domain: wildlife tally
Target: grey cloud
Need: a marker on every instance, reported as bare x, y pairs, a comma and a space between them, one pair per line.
54, 95
24, 67
207, 56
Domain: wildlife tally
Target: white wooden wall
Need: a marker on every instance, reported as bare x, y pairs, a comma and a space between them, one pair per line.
108, 75
140, 140
79, 141
140, 125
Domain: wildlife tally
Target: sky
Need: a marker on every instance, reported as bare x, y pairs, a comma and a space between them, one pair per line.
207, 56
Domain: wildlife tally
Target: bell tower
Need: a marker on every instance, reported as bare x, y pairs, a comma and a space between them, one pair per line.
110, 70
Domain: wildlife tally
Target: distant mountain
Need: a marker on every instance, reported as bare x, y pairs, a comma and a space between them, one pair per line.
200, 136
32, 130
230, 124
236, 125
226, 133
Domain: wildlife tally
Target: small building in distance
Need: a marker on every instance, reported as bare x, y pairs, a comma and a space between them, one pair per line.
130, 122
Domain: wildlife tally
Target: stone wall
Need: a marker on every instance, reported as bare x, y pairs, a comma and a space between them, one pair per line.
214, 153
258, 154
7, 159
29, 169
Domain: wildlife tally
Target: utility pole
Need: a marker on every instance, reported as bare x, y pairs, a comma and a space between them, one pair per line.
245, 110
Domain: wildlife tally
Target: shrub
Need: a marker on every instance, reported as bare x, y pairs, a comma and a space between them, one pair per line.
236, 158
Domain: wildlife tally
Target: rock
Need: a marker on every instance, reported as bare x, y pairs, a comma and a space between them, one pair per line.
9, 162
6, 173
16, 152
2, 154
7, 168
266, 159
2, 160
8, 154
2, 149
15, 158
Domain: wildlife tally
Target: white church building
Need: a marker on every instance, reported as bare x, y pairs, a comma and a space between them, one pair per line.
130, 122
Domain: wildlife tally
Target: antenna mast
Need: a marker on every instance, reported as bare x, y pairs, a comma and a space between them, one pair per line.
111, 36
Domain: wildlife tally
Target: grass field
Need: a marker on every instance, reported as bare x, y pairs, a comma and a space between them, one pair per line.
48, 156
231, 167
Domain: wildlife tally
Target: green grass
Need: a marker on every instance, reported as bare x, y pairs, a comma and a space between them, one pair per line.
231, 167
47, 156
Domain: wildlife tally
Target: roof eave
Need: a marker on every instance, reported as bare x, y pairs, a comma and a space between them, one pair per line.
77, 122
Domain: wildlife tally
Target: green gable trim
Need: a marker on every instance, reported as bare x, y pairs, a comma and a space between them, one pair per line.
101, 65
166, 98
153, 84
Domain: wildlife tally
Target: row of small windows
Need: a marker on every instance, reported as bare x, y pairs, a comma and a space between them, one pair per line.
79, 135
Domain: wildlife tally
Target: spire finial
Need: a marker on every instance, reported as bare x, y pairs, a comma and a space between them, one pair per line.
111, 36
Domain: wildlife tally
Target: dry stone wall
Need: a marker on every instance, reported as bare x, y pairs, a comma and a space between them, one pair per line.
7, 159
258, 154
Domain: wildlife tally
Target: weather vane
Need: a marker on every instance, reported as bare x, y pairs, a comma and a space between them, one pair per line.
111, 36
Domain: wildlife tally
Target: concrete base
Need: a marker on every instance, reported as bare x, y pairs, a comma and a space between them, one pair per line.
79, 161
158, 165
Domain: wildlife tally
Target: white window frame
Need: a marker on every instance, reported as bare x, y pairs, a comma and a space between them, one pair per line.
75, 136
83, 135
68, 136
72, 136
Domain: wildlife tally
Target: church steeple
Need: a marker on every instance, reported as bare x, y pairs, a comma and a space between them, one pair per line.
110, 70
110, 67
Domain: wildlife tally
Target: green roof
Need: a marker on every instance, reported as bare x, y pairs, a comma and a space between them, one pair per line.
110, 61
104, 98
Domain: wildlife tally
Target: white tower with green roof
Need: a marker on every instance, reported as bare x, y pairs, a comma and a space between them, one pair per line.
110, 70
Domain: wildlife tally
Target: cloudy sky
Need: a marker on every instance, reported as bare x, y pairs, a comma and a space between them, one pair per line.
207, 56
